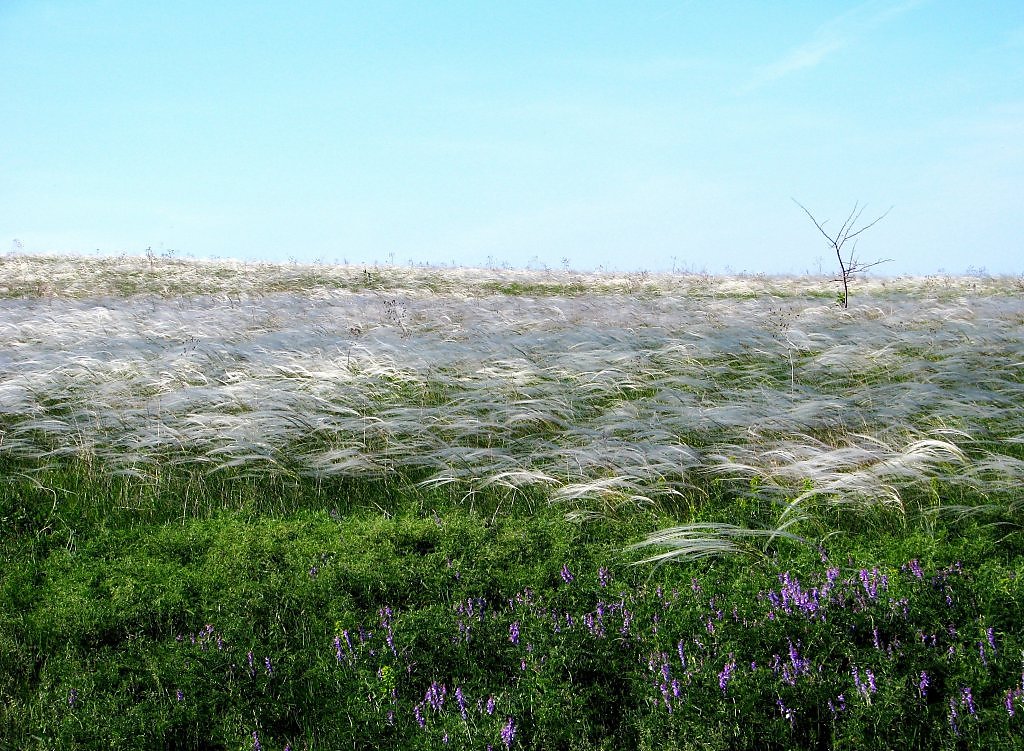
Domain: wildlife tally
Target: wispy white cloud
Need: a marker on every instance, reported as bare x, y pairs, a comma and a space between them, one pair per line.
832, 36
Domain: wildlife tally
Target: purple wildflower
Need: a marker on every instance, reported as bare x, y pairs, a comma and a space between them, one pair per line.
513, 633
508, 733
1012, 694
72, 698
417, 712
968, 700
256, 745
991, 637
251, 662
337, 647
567, 576
603, 577
915, 569
435, 695
800, 665
784, 710
267, 664
922, 685
460, 699
726, 673
861, 688
490, 705
180, 695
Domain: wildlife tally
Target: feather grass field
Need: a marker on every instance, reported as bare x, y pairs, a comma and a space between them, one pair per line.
669, 429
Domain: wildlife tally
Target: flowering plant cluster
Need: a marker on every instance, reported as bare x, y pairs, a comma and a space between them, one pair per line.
833, 653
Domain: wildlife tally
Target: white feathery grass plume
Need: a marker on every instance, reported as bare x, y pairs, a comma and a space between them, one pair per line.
553, 391
702, 540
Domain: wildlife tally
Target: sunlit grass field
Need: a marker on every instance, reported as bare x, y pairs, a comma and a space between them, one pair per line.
314, 507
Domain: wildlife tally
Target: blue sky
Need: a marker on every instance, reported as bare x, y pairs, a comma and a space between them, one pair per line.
617, 135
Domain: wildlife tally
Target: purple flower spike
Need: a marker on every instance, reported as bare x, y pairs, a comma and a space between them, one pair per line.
968, 700
922, 685
435, 695
1011, 695
785, 711
915, 569
726, 673
513, 633
861, 688
72, 698
508, 733
567, 576
603, 577
460, 699
256, 745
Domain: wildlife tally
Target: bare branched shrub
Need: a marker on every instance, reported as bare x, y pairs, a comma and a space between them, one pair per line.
849, 266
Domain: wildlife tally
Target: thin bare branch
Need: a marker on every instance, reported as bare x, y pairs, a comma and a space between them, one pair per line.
816, 223
872, 224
